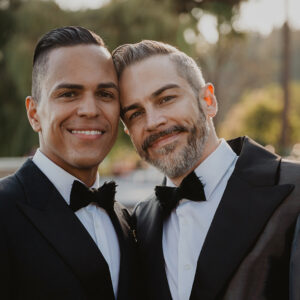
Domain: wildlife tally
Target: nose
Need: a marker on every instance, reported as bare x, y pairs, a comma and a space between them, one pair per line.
154, 120
88, 107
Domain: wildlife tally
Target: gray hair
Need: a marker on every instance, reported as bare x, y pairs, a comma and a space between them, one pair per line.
128, 54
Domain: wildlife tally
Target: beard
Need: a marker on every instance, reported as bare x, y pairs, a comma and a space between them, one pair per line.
176, 163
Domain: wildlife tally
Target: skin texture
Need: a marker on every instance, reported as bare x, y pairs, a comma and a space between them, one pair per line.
79, 92
155, 99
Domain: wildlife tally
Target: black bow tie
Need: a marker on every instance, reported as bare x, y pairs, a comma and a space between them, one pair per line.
82, 196
191, 188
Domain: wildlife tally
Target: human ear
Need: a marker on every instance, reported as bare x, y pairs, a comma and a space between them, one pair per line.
211, 105
125, 127
31, 108
126, 130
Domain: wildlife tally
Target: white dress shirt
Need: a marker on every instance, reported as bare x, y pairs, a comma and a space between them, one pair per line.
185, 230
94, 218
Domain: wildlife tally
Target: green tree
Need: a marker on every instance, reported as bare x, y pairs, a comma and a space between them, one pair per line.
214, 58
258, 115
26, 22
23, 23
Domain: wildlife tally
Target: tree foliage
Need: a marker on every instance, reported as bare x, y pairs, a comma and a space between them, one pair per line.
23, 23
236, 63
258, 115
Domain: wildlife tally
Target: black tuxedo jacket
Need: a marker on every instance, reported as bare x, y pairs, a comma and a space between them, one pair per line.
45, 251
246, 252
295, 264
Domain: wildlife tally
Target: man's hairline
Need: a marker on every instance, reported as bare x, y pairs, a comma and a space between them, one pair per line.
176, 65
44, 56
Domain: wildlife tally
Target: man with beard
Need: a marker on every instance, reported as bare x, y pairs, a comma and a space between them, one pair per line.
62, 236
221, 225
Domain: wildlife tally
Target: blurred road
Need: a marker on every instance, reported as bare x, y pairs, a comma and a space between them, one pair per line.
137, 186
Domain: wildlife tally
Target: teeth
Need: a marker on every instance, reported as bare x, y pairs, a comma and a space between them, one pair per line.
87, 132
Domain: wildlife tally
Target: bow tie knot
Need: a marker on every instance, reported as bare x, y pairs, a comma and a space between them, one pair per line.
82, 196
191, 188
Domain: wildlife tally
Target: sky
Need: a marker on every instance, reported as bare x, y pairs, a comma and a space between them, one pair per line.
264, 15
256, 15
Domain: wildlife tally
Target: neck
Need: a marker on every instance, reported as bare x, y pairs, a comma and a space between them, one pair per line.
88, 177
211, 145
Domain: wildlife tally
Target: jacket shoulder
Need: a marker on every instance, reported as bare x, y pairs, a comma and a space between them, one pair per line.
145, 205
11, 190
290, 171
147, 210
9, 187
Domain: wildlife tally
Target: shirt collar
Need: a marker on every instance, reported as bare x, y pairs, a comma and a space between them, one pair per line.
61, 179
214, 167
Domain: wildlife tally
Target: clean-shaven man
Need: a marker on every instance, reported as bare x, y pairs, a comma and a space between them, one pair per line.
221, 227
60, 237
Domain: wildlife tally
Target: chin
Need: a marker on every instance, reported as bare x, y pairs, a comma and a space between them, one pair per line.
86, 162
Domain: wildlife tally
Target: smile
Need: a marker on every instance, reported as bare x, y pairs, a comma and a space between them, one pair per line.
163, 137
166, 139
87, 132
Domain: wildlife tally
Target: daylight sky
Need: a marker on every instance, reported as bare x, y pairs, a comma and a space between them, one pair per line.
256, 15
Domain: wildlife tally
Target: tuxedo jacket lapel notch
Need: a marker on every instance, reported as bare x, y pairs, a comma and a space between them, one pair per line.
250, 198
52, 217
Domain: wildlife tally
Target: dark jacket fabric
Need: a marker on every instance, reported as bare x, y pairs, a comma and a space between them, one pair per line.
45, 251
246, 253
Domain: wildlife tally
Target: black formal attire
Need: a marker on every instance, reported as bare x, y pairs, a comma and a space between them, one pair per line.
246, 252
295, 265
46, 252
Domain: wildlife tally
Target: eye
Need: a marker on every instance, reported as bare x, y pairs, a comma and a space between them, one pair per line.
166, 99
69, 94
135, 115
105, 94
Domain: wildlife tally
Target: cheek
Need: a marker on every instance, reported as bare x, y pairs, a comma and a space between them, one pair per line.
136, 137
112, 113
114, 122
44, 120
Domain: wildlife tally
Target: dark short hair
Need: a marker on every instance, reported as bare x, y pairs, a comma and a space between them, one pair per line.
128, 54
56, 38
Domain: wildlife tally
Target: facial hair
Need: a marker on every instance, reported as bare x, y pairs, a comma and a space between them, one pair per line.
174, 164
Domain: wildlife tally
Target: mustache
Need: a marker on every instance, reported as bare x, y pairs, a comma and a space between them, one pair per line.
154, 137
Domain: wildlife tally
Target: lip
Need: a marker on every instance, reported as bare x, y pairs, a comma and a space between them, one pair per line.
164, 140
87, 133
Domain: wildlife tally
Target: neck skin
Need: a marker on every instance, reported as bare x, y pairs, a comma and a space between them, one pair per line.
86, 175
211, 145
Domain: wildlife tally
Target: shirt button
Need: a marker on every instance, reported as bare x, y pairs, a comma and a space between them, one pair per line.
187, 267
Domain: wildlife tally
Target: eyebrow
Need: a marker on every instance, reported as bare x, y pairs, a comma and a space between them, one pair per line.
105, 85
125, 109
68, 86
165, 87
108, 85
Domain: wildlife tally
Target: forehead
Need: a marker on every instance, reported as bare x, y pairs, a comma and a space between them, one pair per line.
145, 77
80, 64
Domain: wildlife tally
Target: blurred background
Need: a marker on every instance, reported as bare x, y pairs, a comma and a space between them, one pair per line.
248, 49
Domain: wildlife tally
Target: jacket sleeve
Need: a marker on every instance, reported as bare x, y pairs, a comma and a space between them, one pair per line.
295, 264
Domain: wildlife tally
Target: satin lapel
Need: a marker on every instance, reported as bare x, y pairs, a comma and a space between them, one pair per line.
126, 247
249, 200
241, 216
150, 238
50, 214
